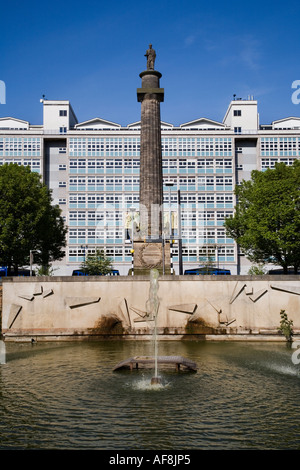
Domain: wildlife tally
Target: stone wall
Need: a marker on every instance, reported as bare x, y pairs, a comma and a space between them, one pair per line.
203, 307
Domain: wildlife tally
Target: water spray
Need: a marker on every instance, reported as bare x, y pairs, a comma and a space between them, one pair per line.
152, 306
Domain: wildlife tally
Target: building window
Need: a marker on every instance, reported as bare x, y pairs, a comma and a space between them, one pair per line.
237, 130
237, 112
62, 130
63, 112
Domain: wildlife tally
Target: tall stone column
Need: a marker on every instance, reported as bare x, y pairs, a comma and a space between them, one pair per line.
151, 185
150, 251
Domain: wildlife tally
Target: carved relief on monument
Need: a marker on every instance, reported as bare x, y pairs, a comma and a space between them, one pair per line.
150, 255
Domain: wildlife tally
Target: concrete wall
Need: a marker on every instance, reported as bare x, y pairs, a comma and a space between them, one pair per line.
190, 307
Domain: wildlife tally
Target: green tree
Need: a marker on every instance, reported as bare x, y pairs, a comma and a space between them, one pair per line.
266, 223
208, 265
28, 220
97, 263
52, 237
258, 270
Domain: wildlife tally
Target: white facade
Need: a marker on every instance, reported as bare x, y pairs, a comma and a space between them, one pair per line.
58, 116
92, 168
242, 116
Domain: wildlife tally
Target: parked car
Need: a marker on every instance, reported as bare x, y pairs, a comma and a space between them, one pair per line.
78, 272
208, 271
280, 271
3, 272
21, 272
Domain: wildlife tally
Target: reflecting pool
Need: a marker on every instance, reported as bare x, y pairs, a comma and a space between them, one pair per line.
66, 396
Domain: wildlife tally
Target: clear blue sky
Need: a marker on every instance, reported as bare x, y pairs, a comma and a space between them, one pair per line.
91, 53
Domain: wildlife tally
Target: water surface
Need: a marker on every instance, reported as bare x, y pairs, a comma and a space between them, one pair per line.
66, 396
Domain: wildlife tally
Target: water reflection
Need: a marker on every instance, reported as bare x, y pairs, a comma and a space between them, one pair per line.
65, 396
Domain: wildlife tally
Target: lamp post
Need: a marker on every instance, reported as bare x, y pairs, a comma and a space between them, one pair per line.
132, 211
217, 255
170, 184
31, 259
179, 233
84, 247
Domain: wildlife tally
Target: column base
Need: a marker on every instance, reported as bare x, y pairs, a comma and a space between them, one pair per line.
151, 255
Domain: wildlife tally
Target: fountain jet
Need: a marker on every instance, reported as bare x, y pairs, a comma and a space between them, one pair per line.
152, 306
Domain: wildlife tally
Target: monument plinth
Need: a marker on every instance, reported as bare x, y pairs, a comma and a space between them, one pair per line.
150, 255
151, 251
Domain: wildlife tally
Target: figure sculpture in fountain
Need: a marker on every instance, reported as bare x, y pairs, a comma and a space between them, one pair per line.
152, 303
152, 306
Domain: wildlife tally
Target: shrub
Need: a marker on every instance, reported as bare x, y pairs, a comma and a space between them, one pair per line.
286, 326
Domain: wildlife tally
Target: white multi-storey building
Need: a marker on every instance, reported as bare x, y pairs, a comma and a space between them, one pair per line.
92, 168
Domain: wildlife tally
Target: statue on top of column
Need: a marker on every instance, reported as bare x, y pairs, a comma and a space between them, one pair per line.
151, 55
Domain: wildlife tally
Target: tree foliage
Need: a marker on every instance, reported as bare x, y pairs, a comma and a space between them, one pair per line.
257, 270
28, 220
96, 264
266, 223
